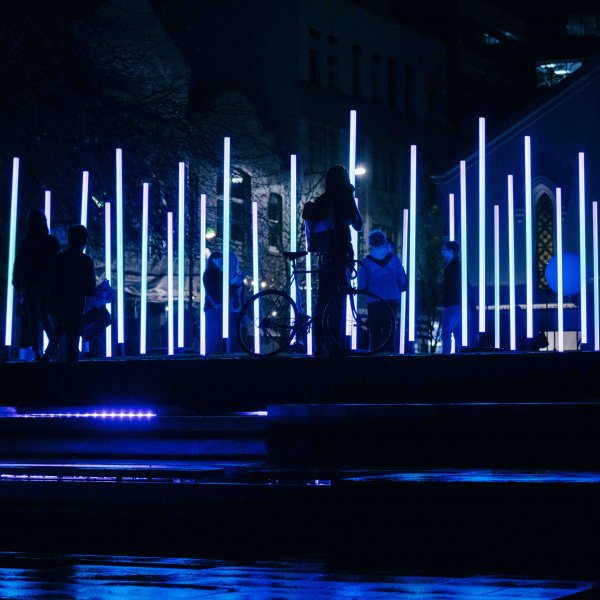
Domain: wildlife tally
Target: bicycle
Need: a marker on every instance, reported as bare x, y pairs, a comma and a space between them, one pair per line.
271, 321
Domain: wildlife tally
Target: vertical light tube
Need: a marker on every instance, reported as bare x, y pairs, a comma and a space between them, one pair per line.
528, 237
451, 233
463, 253
350, 330
402, 348
496, 276
120, 269
170, 304
596, 296
352, 172
12, 247
309, 336
511, 264
107, 272
293, 222
226, 230
47, 212
48, 207
559, 270
144, 282
85, 182
412, 240
255, 275
202, 317
181, 257
482, 305
582, 250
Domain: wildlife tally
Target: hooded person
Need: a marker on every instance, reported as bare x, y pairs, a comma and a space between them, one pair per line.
382, 273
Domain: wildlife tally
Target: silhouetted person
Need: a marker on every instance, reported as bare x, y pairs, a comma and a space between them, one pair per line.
71, 279
451, 297
213, 305
382, 273
338, 200
34, 253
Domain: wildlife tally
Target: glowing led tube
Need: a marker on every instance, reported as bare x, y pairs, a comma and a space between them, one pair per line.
559, 268
120, 267
463, 252
255, 274
496, 276
293, 222
309, 337
107, 273
47, 211
144, 281
596, 296
181, 257
170, 324
12, 243
412, 240
582, 250
528, 237
202, 316
402, 348
85, 180
451, 217
226, 230
482, 305
511, 264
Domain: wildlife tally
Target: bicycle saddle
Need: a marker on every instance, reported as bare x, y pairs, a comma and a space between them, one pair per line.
295, 255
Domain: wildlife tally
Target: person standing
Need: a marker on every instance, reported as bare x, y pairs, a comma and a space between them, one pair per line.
451, 297
382, 273
213, 305
32, 258
71, 279
337, 202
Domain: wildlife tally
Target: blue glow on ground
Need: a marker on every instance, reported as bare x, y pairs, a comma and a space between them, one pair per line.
100, 414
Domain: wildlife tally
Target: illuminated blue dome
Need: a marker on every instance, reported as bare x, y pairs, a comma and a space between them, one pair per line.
570, 272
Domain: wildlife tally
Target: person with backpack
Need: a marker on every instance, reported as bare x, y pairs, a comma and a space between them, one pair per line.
336, 206
382, 273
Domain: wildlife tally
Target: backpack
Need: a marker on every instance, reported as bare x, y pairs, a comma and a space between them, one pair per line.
318, 227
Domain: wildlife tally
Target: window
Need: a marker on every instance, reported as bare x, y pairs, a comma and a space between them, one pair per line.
332, 62
240, 196
356, 60
323, 147
392, 83
544, 229
275, 220
375, 77
314, 57
385, 167
410, 90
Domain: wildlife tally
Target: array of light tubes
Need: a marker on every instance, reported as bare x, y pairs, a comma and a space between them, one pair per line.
409, 237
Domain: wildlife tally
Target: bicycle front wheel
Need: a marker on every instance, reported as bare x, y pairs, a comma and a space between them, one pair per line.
359, 322
266, 323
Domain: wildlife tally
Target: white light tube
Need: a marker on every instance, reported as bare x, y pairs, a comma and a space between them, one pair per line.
85, 181
559, 268
107, 273
202, 317
170, 304
402, 348
596, 296
482, 305
496, 276
226, 230
352, 146
463, 252
120, 268
293, 223
255, 275
181, 258
412, 240
528, 237
47, 211
511, 264
582, 250
12, 244
144, 282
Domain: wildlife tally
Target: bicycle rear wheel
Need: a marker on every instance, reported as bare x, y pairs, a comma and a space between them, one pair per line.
264, 326
359, 322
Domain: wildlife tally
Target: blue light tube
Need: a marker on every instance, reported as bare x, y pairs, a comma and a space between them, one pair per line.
596, 296
255, 275
12, 245
181, 257
170, 319
482, 305
496, 276
582, 250
528, 237
226, 232
47, 211
451, 217
412, 239
352, 148
202, 317
402, 348
144, 277
293, 222
309, 337
107, 273
120, 268
511, 264
559, 269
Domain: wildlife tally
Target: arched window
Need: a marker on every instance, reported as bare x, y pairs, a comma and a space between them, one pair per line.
544, 232
275, 219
